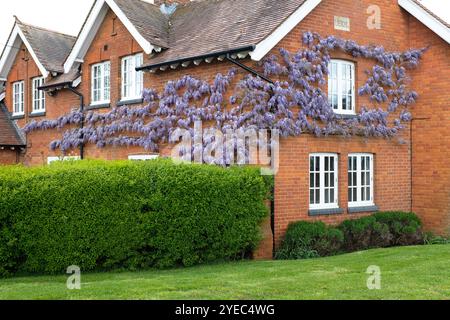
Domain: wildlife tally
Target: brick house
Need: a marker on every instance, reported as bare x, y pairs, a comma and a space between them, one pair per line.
45, 74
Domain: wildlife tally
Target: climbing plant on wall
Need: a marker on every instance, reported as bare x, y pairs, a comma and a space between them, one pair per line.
295, 104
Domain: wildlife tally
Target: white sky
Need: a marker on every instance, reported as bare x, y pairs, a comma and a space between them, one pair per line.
65, 16
68, 15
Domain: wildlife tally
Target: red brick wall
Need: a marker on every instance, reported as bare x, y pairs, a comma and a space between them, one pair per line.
25, 69
431, 131
392, 189
8, 156
392, 159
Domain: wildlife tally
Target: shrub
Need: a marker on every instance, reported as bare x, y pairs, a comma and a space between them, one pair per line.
100, 215
364, 233
405, 227
308, 240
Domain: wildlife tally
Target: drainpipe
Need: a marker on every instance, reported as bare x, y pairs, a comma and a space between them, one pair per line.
80, 95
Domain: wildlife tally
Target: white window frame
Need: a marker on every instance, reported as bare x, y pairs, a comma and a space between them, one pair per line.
38, 105
359, 202
104, 84
143, 157
334, 204
66, 158
132, 81
18, 98
336, 90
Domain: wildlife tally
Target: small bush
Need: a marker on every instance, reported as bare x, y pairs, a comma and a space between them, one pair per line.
308, 240
364, 233
121, 214
404, 227
385, 229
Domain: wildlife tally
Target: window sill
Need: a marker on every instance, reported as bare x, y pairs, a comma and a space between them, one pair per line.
37, 114
129, 102
347, 116
99, 106
17, 116
363, 209
324, 212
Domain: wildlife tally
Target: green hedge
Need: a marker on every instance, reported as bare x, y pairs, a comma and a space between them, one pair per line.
385, 229
305, 240
100, 215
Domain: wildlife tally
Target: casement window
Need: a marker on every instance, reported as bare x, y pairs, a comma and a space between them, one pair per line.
144, 157
18, 98
360, 180
58, 159
323, 181
38, 95
132, 80
100, 83
341, 86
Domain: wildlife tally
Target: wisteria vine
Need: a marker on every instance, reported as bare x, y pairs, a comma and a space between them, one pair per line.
295, 104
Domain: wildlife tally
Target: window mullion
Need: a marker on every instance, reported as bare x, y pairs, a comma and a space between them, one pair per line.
358, 179
322, 180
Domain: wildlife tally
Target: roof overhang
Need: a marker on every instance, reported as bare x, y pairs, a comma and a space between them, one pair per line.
12, 48
196, 60
91, 27
264, 47
426, 18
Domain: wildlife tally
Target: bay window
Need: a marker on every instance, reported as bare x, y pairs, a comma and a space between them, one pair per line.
360, 180
341, 86
323, 177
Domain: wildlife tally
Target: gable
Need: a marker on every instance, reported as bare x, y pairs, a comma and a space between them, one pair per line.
92, 24
12, 48
427, 17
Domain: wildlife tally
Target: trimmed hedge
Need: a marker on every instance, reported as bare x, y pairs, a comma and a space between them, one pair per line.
121, 214
385, 229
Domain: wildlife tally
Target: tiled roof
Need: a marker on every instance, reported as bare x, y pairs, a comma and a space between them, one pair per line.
209, 26
9, 133
148, 20
51, 48
202, 27
63, 79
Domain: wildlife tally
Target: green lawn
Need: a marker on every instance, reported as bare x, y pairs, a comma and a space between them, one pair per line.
407, 273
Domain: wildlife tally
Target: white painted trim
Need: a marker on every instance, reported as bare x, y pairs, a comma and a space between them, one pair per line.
426, 18
91, 27
264, 47
359, 202
322, 204
2, 96
76, 82
143, 157
339, 77
66, 158
11, 50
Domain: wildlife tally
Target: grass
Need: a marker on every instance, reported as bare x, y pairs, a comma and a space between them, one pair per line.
407, 273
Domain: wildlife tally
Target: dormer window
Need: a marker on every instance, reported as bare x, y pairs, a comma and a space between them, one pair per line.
100, 83
341, 86
18, 98
132, 80
38, 95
